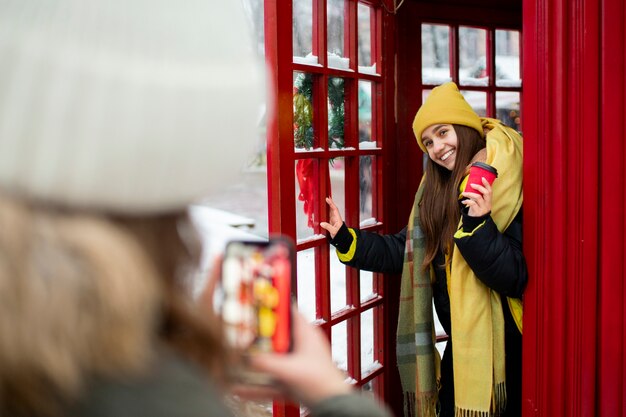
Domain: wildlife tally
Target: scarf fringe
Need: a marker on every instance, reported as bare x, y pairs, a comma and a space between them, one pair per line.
498, 404
458, 412
425, 406
499, 398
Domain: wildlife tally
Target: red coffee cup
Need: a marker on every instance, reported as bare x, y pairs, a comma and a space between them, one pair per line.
479, 170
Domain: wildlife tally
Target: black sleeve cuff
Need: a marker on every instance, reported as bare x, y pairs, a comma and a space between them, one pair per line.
470, 223
343, 239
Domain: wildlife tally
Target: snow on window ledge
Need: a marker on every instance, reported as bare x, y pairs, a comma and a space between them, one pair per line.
368, 69
307, 60
311, 238
368, 145
369, 222
433, 80
475, 82
370, 368
339, 62
304, 150
508, 83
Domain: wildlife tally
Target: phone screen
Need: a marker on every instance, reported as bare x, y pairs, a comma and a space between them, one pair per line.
256, 286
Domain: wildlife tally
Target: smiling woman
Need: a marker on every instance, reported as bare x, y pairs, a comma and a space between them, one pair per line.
471, 249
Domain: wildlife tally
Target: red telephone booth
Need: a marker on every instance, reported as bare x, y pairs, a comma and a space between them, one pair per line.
342, 98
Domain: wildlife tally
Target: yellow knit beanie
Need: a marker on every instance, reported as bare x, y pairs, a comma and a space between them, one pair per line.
445, 104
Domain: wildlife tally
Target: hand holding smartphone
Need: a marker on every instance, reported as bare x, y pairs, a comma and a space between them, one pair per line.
255, 295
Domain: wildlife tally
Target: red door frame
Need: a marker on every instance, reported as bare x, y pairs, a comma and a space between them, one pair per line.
281, 156
574, 175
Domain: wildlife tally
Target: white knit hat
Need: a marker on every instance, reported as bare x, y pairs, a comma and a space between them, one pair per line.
129, 106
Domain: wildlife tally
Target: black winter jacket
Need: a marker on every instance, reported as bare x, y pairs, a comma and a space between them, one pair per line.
495, 258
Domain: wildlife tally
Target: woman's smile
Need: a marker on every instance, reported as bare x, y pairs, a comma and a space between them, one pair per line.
447, 154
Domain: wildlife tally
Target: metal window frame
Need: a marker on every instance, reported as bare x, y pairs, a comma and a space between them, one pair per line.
281, 157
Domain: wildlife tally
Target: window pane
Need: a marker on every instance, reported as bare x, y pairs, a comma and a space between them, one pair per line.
336, 168
478, 101
365, 39
337, 282
303, 131
365, 115
335, 18
306, 283
472, 52
425, 94
336, 112
366, 216
302, 28
435, 54
366, 284
508, 109
367, 342
507, 59
337, 171
307, 197
339, 338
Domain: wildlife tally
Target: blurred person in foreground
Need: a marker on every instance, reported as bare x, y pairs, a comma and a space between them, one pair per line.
114, 116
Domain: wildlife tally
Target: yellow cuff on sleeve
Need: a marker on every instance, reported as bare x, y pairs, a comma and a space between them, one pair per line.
347, 257
461, 234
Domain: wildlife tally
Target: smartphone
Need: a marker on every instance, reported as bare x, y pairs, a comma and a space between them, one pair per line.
256, 295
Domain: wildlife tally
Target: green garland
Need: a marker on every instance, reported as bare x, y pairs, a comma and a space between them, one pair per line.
303, 112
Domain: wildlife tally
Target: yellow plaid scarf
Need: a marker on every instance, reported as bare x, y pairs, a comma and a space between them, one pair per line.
476, 311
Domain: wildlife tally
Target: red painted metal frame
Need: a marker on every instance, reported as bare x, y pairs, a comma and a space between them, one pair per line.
281, 190
566, 201
281, 159
612, 293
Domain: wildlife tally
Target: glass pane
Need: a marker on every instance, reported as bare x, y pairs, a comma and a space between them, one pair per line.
365, 115
335, 18
367, 342
307, 197
339, 339
303, 131
508, 109
472, 52
337, 171
365, 40
337, 282
336, 112
302, 26
507, 59
306, 283
366, 183
478, 101
366, 279
425, 94
435, 54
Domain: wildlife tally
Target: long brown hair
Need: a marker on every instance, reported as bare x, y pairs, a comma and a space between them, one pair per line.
439, 208
87, 295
